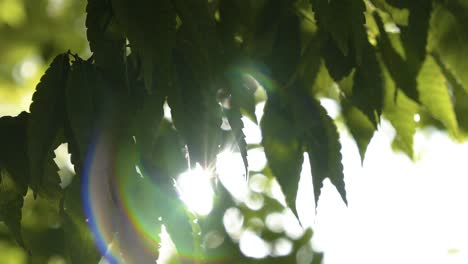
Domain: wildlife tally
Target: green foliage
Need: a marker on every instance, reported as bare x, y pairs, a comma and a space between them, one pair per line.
209, 60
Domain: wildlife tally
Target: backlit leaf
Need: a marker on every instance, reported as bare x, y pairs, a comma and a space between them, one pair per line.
360, 127
401, 72
321, 141
283, 148
448, 37
435, 96
400, 111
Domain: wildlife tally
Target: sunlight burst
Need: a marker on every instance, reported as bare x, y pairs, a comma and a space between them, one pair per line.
195, 190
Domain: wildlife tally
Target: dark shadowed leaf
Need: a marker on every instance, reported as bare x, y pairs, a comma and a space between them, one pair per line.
368, 83
195, 111
338, 64
347, 32
14, 153
286, 51
105, 40
199, 33
150, 27
11, 203
414, 35
14, 171
47, 114
82, 97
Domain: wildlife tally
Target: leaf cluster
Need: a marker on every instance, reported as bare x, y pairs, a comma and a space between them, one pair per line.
379, 59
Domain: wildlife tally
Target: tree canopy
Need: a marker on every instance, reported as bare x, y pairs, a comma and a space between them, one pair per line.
210, 63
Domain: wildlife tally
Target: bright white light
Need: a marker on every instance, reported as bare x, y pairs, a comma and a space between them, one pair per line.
417, 118
257, 159
332, 107
252, 132
231, 172
399, 211
282, 247
196, 191
28, 69
233, 221
167, 112
253, 246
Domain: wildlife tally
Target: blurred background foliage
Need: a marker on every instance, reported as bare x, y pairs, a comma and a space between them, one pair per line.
32, 32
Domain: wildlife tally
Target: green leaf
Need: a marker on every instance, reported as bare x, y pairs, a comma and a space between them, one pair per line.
283, 148
448, 37
47, 114
151, 28
359, 125
400, 111
368, 88
321, 141
105, 40
435, 96
80, 245
323, 84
